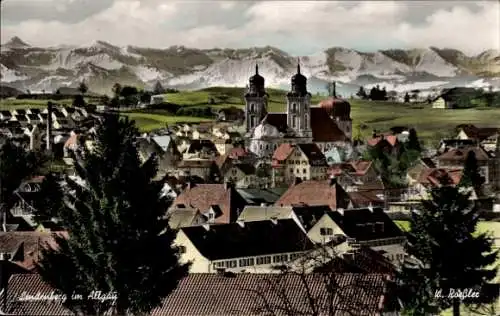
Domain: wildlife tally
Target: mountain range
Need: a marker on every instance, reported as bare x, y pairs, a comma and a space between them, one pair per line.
101, 64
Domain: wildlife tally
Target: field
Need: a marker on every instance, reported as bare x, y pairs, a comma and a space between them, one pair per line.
431, 124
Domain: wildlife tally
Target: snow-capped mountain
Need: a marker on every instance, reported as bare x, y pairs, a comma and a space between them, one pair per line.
101, 64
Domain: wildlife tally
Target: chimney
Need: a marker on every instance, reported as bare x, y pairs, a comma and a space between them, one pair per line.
49, 126
333, 180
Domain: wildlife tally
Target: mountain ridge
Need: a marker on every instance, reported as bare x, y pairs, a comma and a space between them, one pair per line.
101, 64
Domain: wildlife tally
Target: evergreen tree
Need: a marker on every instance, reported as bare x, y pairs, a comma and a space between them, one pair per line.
413, 142
383, 94
470, 174
374, 93
361, 93
119, 238
117, 89
83, 88
445, 253
16, 165
407, 98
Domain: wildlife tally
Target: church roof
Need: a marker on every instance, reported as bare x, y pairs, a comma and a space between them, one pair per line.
324, 129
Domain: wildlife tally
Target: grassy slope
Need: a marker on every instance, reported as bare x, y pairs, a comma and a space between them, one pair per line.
7, 104
431, 124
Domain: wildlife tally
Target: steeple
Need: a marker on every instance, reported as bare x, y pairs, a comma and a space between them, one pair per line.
256, 69
298, 65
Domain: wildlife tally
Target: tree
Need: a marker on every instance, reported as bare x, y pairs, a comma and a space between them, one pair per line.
407, 98
128, 91
158, 88
119, 239
16, 165
361, 93
117, 89
413, 142
78, 101
83, 88
471, 177
445, 253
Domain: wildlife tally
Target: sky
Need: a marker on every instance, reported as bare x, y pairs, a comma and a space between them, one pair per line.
297, 27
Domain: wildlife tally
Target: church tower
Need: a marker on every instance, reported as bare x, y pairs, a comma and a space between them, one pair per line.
298, 108
255, 101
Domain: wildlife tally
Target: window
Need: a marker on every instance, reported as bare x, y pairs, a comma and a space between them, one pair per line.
293, 121
252, 107
263, 260
280, 258
231, 264
219, 264
246, 262
304, 171
294, 107
211, 216
325, 231
306, 119
182, 249
294, 256
291, 170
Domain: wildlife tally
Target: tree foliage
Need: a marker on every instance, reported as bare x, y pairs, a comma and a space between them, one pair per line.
471, 177
83, 88
413, 142
445, 252
119, 239
16, 165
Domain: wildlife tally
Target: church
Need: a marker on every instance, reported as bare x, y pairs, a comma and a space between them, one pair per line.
328, 124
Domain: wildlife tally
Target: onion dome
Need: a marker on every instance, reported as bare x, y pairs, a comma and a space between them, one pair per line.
299, 79
257, 79
336, 107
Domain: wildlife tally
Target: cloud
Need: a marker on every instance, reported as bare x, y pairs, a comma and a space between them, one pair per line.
298, 27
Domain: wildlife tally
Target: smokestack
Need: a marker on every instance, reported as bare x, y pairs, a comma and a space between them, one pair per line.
49, 126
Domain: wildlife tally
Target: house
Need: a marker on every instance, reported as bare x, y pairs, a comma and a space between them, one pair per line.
370, 227
220, 202
203, 168
230, 114
184, 217
316, 192
157, 99
35, 135
261, 196
242, 246
236, 294
34, 119
223, 145
388, 143
303, 161
305, 216
201, 148
162, 146
453, 98
487, 137
242, 175
455, 159
19, 112
33, 111
5, 115
21, 118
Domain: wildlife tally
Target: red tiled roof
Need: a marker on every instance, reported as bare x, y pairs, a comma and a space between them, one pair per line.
365, 198
324, 129
241, 294
460, 154
203, 196
391, 139
32, 243
361, 166
314, 192
281, 153
72, 141
237, 152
